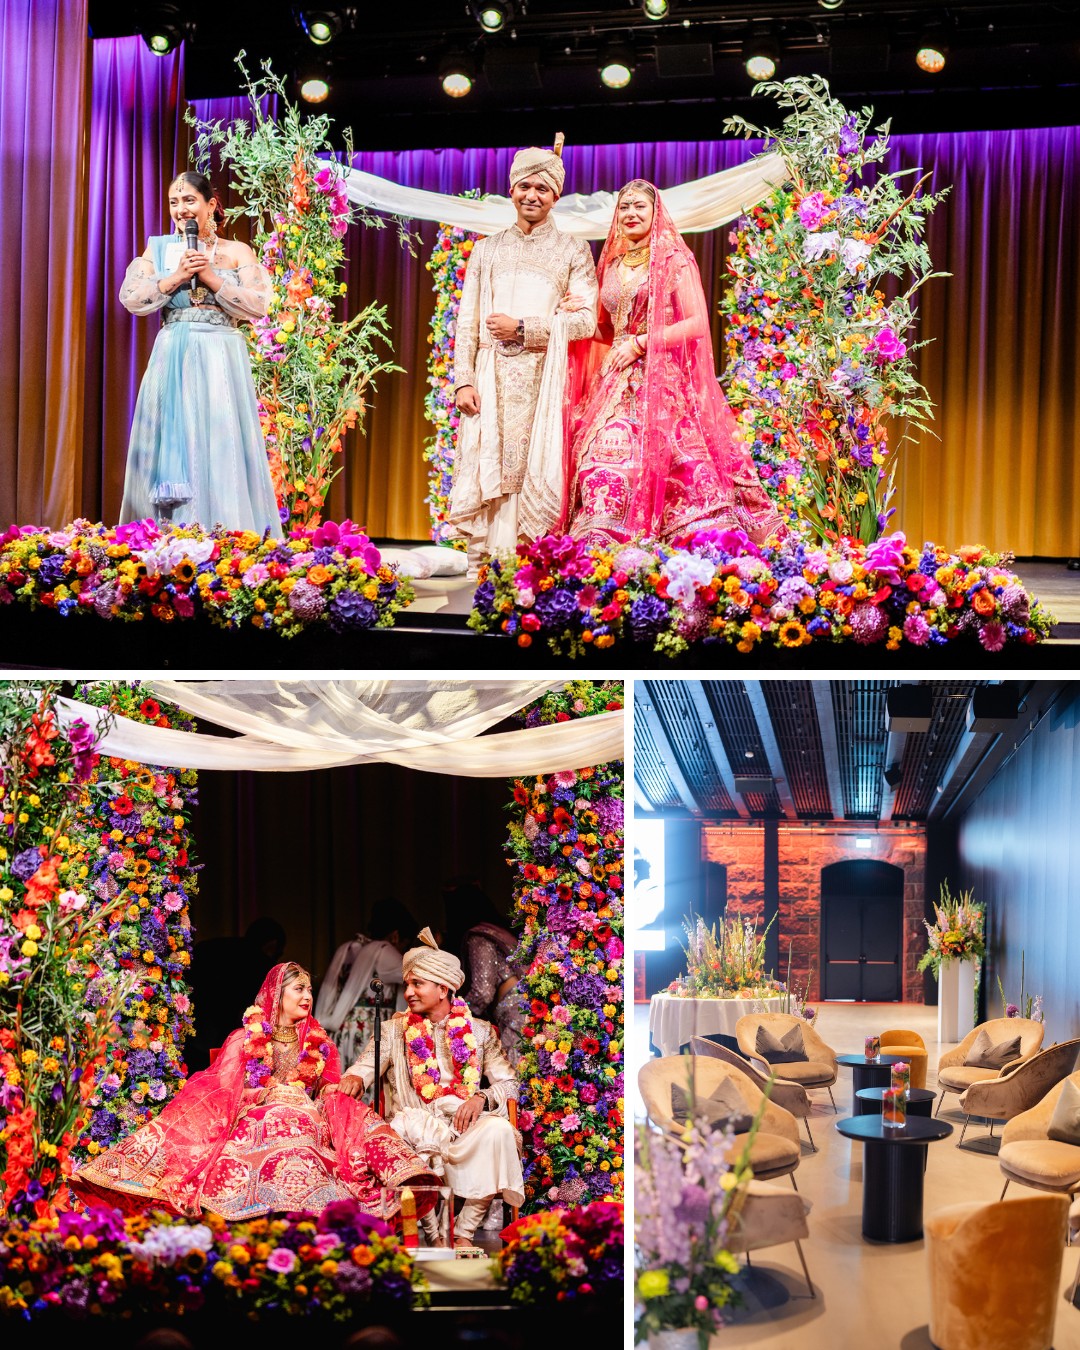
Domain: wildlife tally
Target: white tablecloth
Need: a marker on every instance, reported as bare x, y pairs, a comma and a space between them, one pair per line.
673, 1021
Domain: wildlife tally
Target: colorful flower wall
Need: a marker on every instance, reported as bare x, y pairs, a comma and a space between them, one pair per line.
447, 267
131, 833
566, 841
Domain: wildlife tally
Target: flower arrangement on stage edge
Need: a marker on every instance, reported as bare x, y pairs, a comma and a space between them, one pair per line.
566, 838
730, 964
132, 838
958, 932
719, 587
99, 1264
564, 1255
447, 266
1030, 1005
52, 1034
331, 574
312, 372
817, 361
687, 1194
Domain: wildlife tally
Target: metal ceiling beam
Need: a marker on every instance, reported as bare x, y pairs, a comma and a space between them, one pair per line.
827, 730
715, 745
667, 752
894, 754
641, 800
771, 746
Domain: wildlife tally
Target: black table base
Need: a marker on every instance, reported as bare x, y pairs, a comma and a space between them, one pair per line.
893, 1191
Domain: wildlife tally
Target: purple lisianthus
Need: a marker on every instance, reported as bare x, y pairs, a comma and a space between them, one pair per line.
849, 137
349, 609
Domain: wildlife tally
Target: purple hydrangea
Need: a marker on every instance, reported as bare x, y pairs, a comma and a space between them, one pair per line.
556, 608
349, 609
648, 614
26, 863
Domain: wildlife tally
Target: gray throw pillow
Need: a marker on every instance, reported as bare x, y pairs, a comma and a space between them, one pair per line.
723, 1107
788, 1049
1065, 1122
986, 1054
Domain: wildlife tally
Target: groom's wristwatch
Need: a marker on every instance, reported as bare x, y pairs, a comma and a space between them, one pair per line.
519, 336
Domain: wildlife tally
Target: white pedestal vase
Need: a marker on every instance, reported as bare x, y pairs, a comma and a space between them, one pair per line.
674, 1338
956, 1000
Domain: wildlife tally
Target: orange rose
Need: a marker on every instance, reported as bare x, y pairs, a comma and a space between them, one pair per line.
983, 603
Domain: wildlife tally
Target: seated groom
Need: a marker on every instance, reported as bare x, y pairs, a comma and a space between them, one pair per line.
450, 1082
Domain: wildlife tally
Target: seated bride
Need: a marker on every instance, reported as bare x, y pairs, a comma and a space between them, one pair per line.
257, 1133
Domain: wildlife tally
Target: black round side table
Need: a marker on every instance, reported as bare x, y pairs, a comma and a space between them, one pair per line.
868, 1073
919, 1101
893, 1165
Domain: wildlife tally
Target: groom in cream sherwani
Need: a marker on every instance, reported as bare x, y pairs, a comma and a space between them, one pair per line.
510, 365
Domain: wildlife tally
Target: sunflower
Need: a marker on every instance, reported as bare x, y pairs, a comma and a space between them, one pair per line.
791, 634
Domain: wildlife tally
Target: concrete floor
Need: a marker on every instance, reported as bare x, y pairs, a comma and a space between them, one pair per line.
868, 1294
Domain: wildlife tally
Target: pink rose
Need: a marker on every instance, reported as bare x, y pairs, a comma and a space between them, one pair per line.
281, 1261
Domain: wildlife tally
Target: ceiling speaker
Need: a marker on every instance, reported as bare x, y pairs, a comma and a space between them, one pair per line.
994, 708
752, 782
909, 708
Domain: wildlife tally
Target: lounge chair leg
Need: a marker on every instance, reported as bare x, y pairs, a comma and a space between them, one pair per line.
793, 1181
833, 1100
810, 1284
1004, 1188
806, 1122
967, 1122
1072, 1291
940, 1100
748, 1261
991, 1129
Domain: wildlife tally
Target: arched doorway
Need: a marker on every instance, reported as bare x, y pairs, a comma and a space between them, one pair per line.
862, 931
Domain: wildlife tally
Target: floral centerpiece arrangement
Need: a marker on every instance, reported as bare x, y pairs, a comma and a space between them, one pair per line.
958, 932
447, 265
687, 1194
328, 574
728, 964
54, 1033
564, 1254
132, 836
566, 842
312, 371
718, 587
1030, 1005
99, 1264
819, 355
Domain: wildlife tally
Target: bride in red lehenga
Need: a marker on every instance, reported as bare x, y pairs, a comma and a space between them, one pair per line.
263, 1130
652, 446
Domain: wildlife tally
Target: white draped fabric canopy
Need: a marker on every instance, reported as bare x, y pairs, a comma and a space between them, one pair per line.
433, 725
700, 205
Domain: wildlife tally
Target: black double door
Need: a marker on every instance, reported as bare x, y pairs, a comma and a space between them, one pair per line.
862, 908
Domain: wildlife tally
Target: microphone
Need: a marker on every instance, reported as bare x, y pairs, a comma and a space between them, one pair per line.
376, 987
191, 240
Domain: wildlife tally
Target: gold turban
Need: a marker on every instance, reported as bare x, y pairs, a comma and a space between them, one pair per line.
430, 962
536, 162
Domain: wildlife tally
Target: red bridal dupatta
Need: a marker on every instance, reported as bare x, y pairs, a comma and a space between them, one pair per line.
680, 409
165, 1163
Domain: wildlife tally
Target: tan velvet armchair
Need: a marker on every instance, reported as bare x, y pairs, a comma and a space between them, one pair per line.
1028, 1155
791, 1096
1021, 1088
956, 1076
908, 1045
775, 1151
818, 1070
994, 1273
767, 1216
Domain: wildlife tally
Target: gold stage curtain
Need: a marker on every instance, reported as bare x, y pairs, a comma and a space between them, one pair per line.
44, 107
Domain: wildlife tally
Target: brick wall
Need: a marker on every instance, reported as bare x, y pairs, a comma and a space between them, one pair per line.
803, 854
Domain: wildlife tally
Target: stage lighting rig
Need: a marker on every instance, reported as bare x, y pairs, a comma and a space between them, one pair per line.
162, 29
313, 82
932, 51
616, 64
761, 53
320, 25
457, 74
492, 15
656, 9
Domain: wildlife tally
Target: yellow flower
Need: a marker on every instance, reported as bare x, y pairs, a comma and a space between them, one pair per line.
29, 1056
653, 1283
725, 1260
29, 949
33, 932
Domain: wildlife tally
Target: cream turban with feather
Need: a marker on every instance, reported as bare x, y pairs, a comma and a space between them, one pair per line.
537, 162
430, 962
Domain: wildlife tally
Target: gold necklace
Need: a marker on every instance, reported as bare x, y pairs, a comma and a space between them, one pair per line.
634, 257
286, 1035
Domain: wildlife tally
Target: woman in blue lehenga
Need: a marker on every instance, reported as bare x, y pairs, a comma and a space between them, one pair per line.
196, 454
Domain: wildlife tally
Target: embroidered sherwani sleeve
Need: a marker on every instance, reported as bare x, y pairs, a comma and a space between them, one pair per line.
501, 1082
582, 323
467, 330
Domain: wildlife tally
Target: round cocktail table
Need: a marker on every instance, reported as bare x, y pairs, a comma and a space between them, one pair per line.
919, 1101
893, 1165
868, 1073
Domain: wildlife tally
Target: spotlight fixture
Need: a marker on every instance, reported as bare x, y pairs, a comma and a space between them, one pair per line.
320, 25
457, 74
761, 54
162, 30
314, 87
931, 54
656, 9
492, 15
616, 64
830, 4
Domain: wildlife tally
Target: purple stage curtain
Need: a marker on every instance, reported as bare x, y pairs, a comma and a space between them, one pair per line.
1003, 364
138, 142
44, 90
